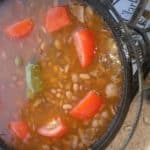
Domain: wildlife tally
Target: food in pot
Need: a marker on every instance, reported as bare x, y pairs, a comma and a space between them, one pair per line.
61, 76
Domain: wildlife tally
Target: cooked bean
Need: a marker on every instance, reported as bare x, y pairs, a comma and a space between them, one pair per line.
67, 106
53, 91
66, 69
58, 95
75, 87
69, 94
84, 76
81, 87
58, 44
37, 103
94, 73
49, 64
58, 90
95, 123
75, 78
61, 69
43, 45
105, 114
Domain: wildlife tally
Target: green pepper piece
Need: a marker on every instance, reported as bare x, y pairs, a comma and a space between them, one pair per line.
33, 80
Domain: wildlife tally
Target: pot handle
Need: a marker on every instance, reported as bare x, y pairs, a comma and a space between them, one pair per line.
138, 12
147, 50
145, 46
141, 25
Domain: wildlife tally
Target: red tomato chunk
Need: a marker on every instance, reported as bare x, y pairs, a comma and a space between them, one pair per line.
20, 129
20, 29
56, 19
87, 108
84, 41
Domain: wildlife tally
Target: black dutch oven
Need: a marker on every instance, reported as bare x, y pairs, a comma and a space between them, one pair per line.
128, 52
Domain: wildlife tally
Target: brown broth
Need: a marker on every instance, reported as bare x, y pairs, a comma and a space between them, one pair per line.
65, 82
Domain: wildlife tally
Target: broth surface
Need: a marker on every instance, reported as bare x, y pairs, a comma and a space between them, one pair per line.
64, 81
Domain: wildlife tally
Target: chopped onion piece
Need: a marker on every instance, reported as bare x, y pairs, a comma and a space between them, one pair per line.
78, 11
111, 90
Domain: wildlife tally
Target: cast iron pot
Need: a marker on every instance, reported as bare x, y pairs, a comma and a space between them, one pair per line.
127, 54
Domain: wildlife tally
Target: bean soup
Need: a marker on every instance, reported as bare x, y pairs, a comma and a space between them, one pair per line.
61, 75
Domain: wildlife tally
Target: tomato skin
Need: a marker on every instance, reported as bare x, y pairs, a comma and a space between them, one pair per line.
57, 18
19, 29
84, 41
19, 129
59, 129
87, 108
